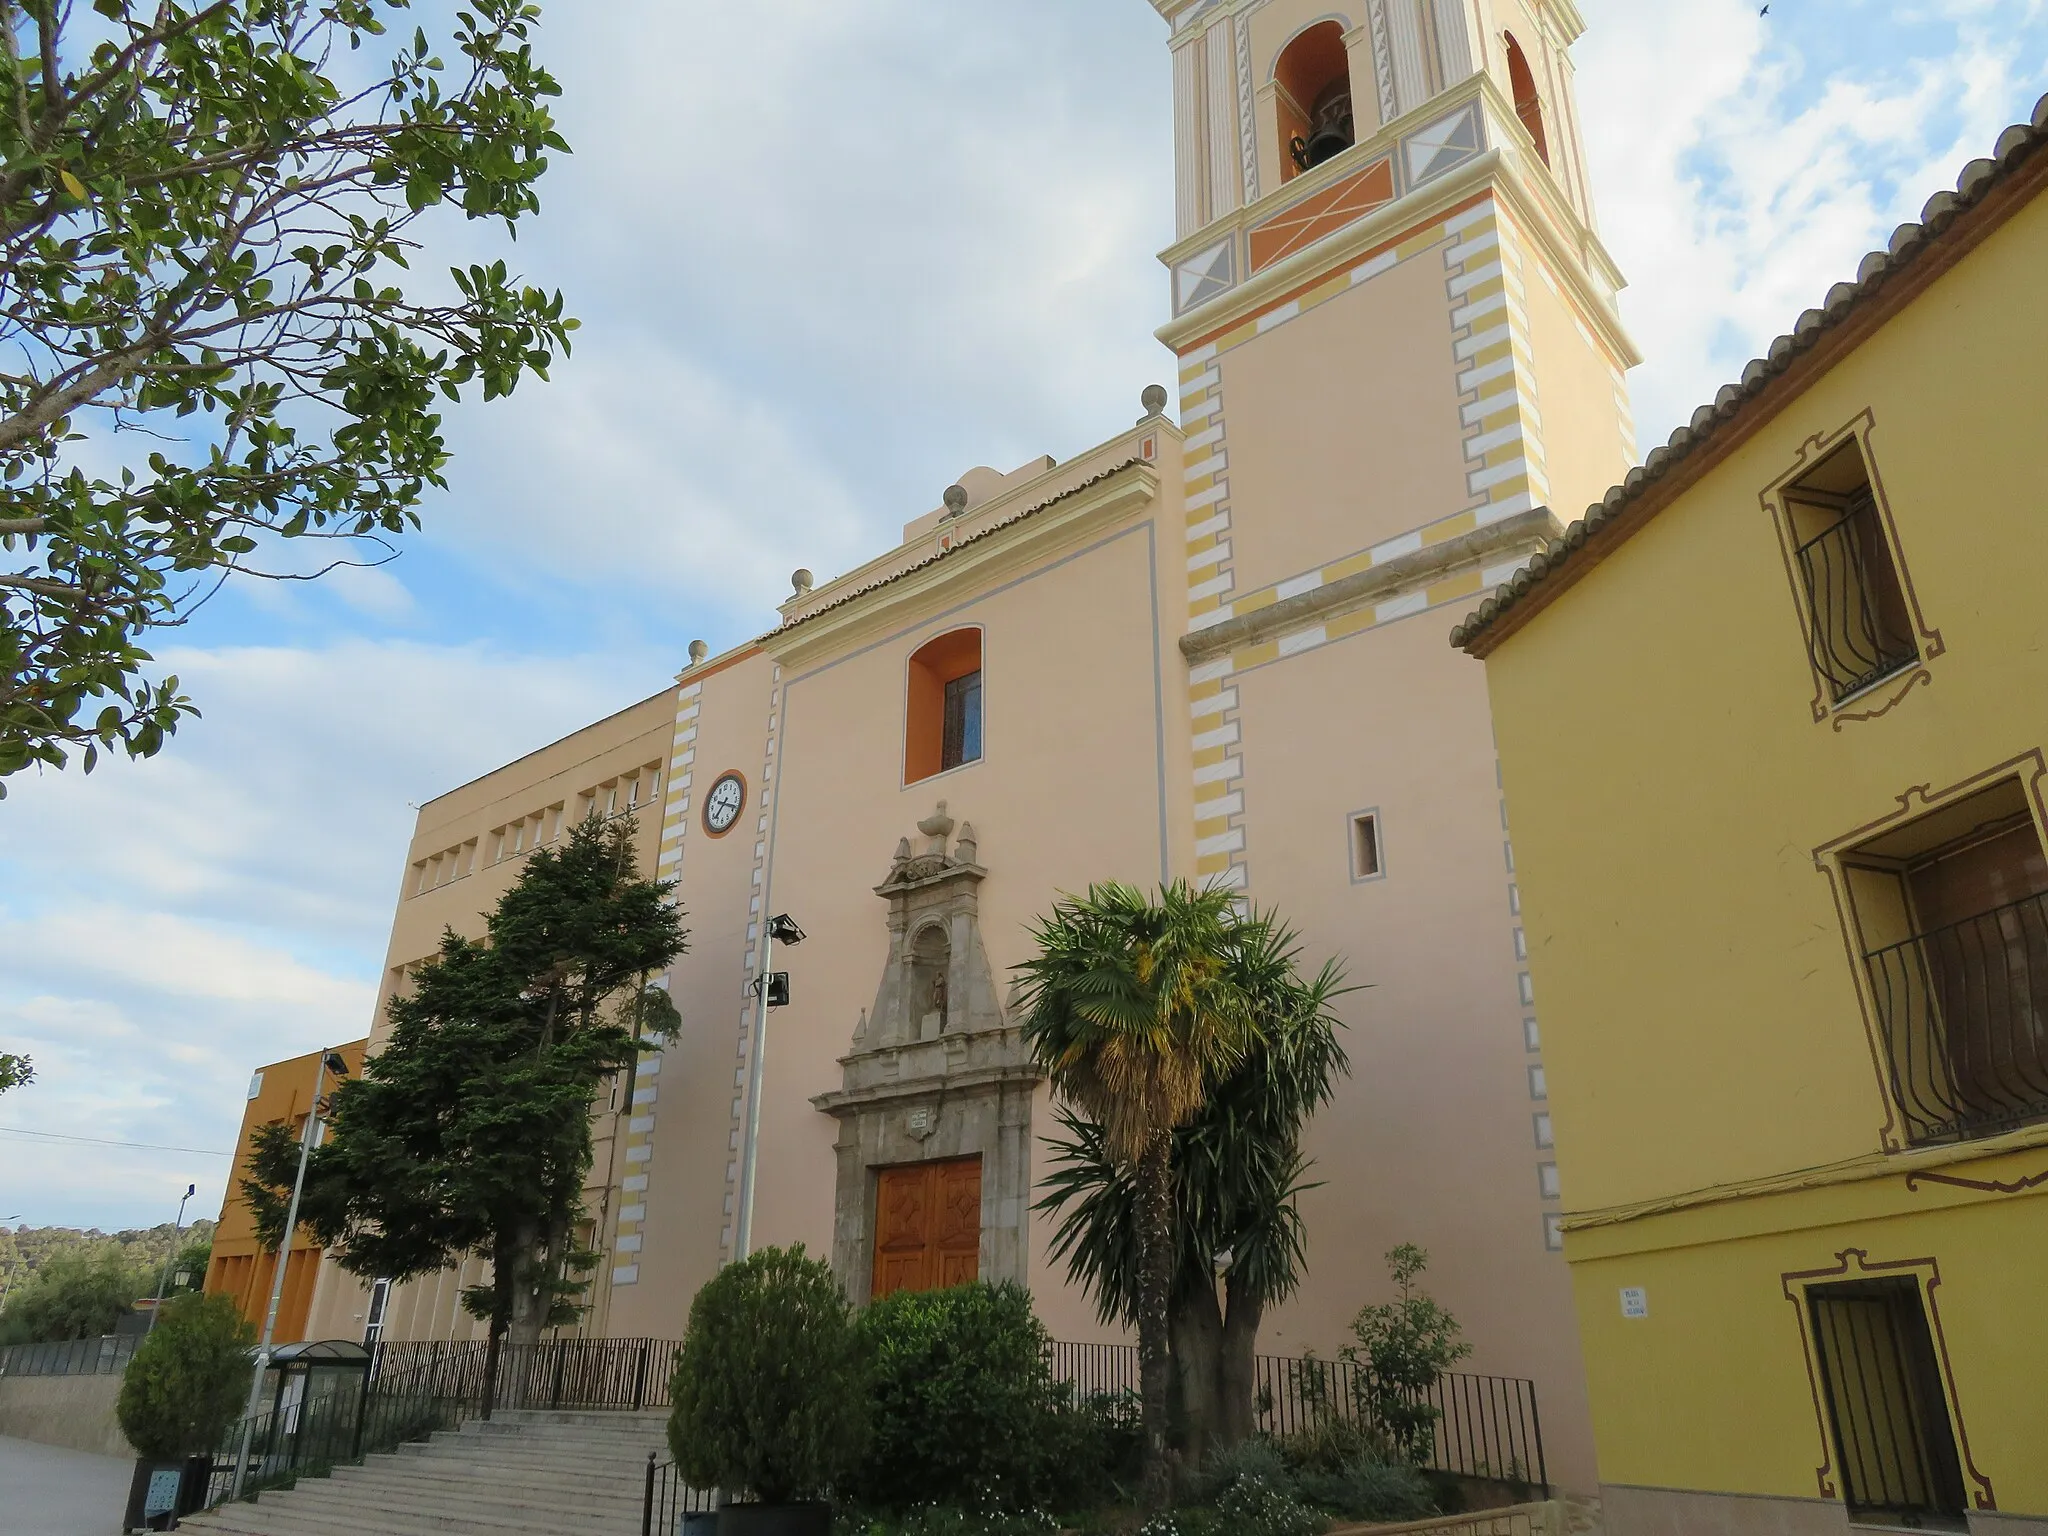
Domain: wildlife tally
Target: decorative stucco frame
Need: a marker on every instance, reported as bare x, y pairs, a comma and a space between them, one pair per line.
1881, 697
1855, 1264
1832, 857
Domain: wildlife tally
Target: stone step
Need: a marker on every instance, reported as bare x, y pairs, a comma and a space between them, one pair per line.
527, 1473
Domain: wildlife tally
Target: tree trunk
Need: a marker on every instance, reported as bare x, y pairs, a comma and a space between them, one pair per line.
1196, 1330
1155, 1281
1237, 1376
524, 1277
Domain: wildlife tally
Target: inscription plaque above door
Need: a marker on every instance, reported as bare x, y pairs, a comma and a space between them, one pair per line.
927, 1226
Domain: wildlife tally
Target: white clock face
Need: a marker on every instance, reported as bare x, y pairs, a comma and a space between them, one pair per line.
722, 805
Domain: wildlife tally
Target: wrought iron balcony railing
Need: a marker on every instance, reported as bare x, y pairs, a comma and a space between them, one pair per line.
1965, 1015
1860, 634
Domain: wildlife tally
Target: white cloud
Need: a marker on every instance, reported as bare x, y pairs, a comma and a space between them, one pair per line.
1737, 181
167, 926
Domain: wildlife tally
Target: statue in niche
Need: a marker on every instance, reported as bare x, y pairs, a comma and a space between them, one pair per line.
939, 999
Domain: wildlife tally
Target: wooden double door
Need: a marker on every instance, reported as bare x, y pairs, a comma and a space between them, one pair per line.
927, 1226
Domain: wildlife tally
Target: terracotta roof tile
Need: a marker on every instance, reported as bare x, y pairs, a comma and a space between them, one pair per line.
933, 559
1909, 242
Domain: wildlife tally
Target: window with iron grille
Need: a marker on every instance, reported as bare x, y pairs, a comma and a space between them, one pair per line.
1859, 628
1952, 912
1889, 1418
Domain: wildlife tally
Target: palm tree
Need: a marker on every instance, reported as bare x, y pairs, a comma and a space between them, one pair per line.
1132, 1008
1237, 1171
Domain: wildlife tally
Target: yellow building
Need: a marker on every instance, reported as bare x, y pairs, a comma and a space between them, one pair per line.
240, 1267
1774, 728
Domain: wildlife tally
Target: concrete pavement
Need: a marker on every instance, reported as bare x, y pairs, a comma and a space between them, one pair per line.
48, 1491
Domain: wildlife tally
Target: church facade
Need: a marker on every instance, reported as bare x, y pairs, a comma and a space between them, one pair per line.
1210, 647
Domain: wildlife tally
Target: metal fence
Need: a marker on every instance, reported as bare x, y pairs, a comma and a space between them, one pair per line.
105, 1356
557, 1373
1965, 1014
1484, 1426
669, 1500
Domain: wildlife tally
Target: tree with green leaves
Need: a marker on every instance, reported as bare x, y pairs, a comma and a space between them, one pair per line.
207, 212
186, 1383
468, 1134
1238, 1170
15, 1071
1402, 1349
1132, 1008
77, 1293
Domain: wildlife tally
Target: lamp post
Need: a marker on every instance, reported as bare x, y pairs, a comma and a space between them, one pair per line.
163, 1284
770, 990
330, 1061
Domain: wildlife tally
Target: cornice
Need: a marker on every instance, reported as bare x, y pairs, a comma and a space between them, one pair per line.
1523, 533
1573, 252
979, 561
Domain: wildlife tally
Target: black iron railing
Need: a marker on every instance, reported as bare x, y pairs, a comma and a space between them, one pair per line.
1860, 631
1484, 1426
556, 1373
1964, 1010
670, 1500
107, 1355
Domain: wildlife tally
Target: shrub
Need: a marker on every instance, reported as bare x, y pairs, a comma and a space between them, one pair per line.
1404, 1347
1332, 1443
960, 1398
1367, 1490
1257, 1457
1257, 1506
768, 1383
943, 1520
189, 1378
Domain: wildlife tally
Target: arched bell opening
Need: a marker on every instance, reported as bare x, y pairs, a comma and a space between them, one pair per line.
931, 962
1312, 94
1528, 104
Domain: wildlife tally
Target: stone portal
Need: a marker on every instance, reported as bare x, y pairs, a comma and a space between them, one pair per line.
934, 1107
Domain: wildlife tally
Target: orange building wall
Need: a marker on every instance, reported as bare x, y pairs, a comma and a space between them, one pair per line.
283, 1091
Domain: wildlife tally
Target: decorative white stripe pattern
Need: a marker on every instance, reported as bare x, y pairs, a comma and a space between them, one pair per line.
764, 798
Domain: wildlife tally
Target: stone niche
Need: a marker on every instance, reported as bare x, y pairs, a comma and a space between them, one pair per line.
937, 1070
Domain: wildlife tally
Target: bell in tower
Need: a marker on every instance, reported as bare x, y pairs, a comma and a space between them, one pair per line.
1331, 131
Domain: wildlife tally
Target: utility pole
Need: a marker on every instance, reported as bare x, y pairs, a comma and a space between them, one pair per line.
783, 927
163, 1284
330, 1061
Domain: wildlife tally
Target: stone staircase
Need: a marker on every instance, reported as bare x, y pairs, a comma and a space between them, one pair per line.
526, 1473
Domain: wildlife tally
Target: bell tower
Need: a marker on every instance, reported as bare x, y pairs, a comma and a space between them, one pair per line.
1399, 352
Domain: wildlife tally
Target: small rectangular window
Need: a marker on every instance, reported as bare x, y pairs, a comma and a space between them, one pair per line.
1859, 628
1544, 1140
1365, 846
1539, 1084
1532, 1036
1553, 1232
963, 722
1547, 1181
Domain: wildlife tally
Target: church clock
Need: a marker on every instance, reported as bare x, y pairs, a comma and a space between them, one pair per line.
722, 804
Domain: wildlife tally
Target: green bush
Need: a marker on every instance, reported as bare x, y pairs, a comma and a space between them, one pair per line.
189, 1378
1367, 1490
768, 1384
1403, 1349
963, 1411
943, 1520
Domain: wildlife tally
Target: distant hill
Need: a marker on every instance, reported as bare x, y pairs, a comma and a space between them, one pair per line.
25, 1249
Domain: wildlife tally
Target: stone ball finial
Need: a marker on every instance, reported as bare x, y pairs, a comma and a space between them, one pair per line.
698, 651
1154, 400
801, 579
956, 500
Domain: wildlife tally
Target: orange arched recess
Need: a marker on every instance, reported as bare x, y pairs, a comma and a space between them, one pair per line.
942, 711
1313, 99
1528, 105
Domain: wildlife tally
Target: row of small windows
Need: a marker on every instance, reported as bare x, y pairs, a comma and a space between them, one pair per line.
620, 796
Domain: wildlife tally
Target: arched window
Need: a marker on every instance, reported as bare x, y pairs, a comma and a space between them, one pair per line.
942, 715
1314, 99
1528, 105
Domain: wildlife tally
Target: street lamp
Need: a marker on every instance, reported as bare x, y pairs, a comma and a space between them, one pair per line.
177, 1230
330, 1061
771, 990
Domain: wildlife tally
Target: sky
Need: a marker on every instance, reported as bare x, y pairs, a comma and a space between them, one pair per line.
827, 255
